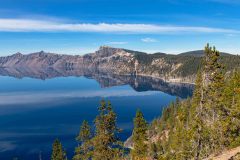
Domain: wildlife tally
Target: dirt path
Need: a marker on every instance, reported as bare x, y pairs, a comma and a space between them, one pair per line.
226, 155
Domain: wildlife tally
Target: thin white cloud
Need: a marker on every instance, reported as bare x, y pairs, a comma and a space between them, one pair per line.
117, 43
26, 25
231, 35
148, 40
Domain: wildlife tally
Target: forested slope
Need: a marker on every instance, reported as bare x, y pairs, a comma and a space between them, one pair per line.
206, 124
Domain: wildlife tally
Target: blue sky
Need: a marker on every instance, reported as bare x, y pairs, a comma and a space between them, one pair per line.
81, 26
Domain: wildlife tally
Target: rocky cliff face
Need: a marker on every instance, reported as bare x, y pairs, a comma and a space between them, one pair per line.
38, 60
105, 59
112, 60
173, 68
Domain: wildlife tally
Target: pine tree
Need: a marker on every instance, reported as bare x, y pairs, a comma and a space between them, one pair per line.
214, 87
140, 148
213, 80
106, 145
84, 150
85, 132
57, 151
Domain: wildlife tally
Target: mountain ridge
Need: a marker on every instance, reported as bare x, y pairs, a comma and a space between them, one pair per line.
191, 52
173, 68
200, 53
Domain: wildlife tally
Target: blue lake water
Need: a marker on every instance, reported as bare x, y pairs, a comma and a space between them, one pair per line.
34, 112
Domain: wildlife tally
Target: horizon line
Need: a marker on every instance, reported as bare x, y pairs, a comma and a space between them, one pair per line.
48, 52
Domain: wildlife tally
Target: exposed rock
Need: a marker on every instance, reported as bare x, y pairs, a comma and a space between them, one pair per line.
232, 154
128, 143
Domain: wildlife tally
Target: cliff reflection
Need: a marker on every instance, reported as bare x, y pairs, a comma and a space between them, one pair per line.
138, 83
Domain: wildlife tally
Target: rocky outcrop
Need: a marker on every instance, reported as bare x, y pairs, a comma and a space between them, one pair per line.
129, 143
232, 154
106, 59
39, 60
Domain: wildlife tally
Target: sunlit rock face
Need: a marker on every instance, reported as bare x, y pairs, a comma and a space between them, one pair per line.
106, 59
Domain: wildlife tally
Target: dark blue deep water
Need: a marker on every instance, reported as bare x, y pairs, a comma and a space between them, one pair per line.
34, 112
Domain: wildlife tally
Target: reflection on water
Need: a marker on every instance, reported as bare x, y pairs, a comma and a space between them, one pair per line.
138, 83
37, 106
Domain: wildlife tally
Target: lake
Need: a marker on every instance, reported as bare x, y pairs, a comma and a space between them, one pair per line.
36, 108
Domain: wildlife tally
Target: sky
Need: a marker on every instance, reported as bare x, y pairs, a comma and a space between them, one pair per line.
82, 26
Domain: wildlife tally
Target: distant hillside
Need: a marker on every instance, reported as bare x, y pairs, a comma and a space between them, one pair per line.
184, 64
200, 53
173, 68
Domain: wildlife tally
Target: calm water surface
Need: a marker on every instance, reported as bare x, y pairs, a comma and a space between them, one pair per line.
33, 112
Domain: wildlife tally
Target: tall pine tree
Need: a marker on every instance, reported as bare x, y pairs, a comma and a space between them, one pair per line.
84, 150
214, 88
106, 145
140, 147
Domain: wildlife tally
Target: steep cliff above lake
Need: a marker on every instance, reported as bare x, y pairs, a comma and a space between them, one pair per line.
174, 68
